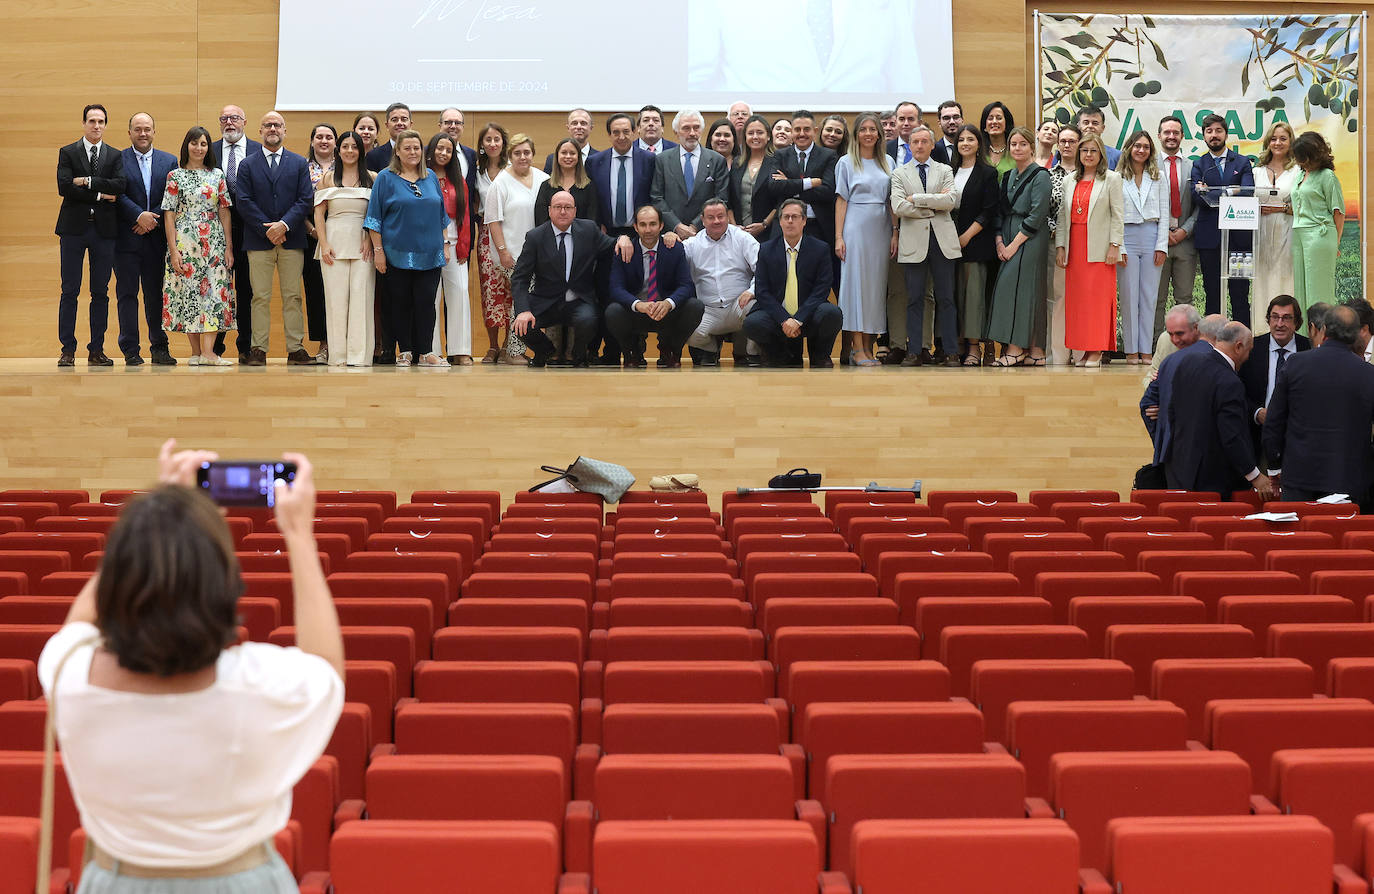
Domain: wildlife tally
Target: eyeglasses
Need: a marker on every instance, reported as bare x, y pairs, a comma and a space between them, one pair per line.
451, 122
272, 125
415, 188
225, 119
1282, 318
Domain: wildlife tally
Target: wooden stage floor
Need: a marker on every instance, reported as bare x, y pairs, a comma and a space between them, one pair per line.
492, 427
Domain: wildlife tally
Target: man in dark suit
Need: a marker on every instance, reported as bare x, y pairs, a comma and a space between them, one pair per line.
451, 122
649, 127
141, 249
652, 292
554, 281
906, 116
1316, 434
686, 176
1272, 351
232, 149
397, 120
90, 177
806, 171
1220, 167
579, 131
1185, 330
623, 175
1210, 446
275, 195
951, 116
792, 283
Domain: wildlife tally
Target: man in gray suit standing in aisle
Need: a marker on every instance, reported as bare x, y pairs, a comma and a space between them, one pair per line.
1180, 268
686, 176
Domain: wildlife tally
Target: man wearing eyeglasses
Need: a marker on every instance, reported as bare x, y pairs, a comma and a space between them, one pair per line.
951, 119
1267, 359
232, 149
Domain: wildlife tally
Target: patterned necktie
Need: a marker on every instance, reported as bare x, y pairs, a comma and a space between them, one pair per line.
272, 158
922, 168
688, 173
622, 186
231, 168
802, 156
651, 281
1175, 202
1278, 362
789, 295
95, 159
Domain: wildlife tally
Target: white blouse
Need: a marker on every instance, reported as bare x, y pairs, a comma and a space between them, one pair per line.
191, 779
511, 205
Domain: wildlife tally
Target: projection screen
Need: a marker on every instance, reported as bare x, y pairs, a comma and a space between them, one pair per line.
538, 55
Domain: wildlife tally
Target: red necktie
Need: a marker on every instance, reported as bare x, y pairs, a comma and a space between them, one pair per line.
651, 281
1175, 203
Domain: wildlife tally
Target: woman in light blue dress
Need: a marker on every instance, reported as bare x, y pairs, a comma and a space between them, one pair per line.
864, 237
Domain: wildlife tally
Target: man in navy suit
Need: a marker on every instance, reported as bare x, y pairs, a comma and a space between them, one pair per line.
652, 292
1185, 330
275, 195
1272, 352
451, 122
554, 280
791, 286
90, 177
650, 130
397, 120
1221, 167
1210, 446
141, 249
806, 171
906, 115
1316, 433
232, 149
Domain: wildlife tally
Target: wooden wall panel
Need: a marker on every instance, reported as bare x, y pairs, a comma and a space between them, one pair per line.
182, 60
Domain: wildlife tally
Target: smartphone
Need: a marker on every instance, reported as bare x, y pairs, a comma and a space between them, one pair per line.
244, 482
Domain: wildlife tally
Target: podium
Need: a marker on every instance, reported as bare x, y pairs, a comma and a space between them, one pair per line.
1238, 208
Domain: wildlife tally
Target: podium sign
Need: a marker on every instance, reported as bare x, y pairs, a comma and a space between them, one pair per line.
1238, 213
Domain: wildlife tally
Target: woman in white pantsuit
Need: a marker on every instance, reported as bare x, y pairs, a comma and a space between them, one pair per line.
452, 313
1146, 204
345, 254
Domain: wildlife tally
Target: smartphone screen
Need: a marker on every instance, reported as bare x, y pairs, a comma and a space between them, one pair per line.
244, 483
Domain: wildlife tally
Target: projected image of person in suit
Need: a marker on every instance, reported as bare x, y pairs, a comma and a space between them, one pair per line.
197, 296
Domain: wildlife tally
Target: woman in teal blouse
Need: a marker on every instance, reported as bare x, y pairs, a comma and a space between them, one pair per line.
1318, 218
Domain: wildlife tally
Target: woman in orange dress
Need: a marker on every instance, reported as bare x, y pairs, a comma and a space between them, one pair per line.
1088, 245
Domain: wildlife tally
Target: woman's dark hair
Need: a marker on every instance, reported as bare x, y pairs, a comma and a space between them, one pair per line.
744, 151
1311, 148
195, 133
375, 123
169, 584
310, 148
711, 132
483, 160
580, 178
364, 175
451, 171
981, 157
843, 148
1006, 113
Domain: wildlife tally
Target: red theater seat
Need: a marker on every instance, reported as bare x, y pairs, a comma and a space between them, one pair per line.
1186, 510
959, 513
697, 524
807, 682
555, 682
1060, 587
1027, 564
1132, 543
1003, 545
549, 585
1316, 644
18, 679
980, 527
673, 563
678, 611
1153, 498
1259, 544
996, 683
675, 644
490, 497
720, 856
1098, 527
75, 545
935, 613
393, 644
1302, 562
1353, 585
1168, 562
1349, 678
1259, 613
372, 513
36, 564
1048, 499
939, 499
871, 546
431, 586
965, 856
415, 615
63, 498
336, 546
26, 641
820, 612
1191, 683
1140, 645
1038, 730
753, 524
19, 843
1211, 586
837, 501
867, 643
1335, 785
1095, 614
1073, 512
669, 543
747, 544
888, 564
454, 566
795, 585
858, 527
909, 587
509, 644
1305, 509
21, 774
63, 583
372, 683
960, 647
1256, 728
640, 585
30, 512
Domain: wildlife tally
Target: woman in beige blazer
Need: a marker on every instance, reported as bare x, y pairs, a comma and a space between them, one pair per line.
1088, 245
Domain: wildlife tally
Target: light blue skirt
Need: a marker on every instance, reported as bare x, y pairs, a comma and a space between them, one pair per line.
272, 877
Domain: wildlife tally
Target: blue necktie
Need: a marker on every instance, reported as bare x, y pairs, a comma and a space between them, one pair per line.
145, 164
906, 153
688, 173
922, 168
622, 186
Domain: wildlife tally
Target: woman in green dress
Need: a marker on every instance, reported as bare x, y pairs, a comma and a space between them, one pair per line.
996, 125
1022, 247
197, 294
1318, 218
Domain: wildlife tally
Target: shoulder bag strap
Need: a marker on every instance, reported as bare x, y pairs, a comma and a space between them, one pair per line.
45, 812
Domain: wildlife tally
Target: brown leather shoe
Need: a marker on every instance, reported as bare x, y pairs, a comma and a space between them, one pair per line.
913, 360
951, 360
98, 358
299, 357
67, 359
256, 357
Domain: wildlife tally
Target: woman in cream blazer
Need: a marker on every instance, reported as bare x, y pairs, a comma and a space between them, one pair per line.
1088, 245
1146, 245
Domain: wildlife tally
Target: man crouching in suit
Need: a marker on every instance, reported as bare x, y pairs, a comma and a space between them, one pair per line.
792, 283
554, 283
653, 292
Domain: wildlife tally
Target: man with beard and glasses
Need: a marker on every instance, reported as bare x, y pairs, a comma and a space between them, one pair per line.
1212, 174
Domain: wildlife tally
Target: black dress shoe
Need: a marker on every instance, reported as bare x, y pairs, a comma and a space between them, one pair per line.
578, 364
823, 363
538, 361
607, 360
669, 363
163, 357
384, 360
67, 359
706, 358
894, 357
634, 362
98, 358
926, 356
133, 360
562, 362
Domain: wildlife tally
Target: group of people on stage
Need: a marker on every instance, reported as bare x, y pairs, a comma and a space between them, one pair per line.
1278, 412
943, 244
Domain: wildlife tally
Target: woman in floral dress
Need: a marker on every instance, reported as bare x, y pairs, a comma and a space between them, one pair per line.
197, 294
